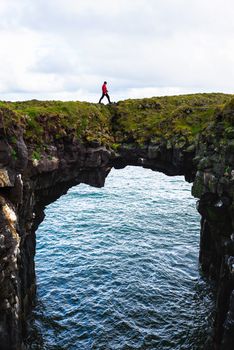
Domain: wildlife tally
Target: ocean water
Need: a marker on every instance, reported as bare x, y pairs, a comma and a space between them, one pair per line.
117, 268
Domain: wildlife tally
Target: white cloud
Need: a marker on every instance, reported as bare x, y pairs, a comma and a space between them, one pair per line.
65, 49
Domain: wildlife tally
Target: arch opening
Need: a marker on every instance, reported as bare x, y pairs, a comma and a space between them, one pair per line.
117, 267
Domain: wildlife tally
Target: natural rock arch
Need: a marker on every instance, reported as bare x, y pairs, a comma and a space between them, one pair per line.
29, 183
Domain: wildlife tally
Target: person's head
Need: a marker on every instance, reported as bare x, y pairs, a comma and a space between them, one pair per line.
105, 82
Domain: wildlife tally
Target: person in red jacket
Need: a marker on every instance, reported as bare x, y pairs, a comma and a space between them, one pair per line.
105, 92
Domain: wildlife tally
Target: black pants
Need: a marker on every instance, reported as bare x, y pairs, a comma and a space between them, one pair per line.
103, 95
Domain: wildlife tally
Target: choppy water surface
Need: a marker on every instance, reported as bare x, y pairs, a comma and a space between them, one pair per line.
117, 267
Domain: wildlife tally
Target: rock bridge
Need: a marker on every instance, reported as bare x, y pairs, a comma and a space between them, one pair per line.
48, 147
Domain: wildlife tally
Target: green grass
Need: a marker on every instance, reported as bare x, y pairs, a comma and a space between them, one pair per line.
131, 121
187, 115
44, 121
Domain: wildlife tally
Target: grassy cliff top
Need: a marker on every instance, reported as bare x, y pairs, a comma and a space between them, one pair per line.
133, 120
46, 121
186, 115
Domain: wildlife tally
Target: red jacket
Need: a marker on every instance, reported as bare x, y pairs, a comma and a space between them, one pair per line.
104, 89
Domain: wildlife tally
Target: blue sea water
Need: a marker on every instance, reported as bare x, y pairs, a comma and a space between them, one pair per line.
117, 268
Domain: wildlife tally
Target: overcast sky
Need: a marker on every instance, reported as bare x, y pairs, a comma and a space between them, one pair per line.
65, 49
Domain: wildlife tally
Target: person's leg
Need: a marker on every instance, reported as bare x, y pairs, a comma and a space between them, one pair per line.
108, 97
101, 98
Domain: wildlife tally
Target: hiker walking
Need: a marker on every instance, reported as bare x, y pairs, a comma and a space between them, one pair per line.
104, 92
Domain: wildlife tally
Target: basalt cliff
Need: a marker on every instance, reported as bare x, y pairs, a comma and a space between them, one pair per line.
48, 147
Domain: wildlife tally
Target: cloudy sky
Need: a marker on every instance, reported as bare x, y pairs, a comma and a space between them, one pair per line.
65, 49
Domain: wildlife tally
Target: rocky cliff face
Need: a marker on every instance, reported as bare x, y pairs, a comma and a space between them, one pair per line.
214, 185
29, 181
23, 199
